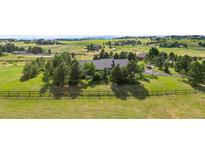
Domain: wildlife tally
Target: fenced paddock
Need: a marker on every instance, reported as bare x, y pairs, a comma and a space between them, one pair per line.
94, 94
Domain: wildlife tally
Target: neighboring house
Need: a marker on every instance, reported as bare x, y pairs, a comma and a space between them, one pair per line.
105, 63
142, 56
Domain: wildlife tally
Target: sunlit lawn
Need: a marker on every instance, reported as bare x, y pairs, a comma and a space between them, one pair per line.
188, 106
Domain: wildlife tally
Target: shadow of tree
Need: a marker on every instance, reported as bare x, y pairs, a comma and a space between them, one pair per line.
70, 91
123, 92
153, 76
146, 80
198, 87
45, 88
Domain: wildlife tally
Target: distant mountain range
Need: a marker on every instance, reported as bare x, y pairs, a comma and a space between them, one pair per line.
52, 37
74, 37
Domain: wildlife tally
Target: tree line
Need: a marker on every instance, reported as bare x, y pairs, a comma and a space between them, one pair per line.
191, 67
122, 55
124, 42
48, 42
10, 47
173, 45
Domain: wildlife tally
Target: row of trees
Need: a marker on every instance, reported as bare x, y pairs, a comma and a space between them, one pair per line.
122, 55
10, 47
164, 60
173, 45
185, 65
64, 70
124, 42
48, 42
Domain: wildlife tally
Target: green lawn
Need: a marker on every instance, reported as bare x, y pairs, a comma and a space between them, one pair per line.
10, 79
166, 83
16, 57
188, 106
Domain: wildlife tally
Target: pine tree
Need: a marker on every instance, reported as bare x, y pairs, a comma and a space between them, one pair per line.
131, 71
48, 74
195, 74
117, 75
166, 69
75, 73
60, 75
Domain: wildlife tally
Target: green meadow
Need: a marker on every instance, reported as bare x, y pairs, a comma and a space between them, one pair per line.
189, 106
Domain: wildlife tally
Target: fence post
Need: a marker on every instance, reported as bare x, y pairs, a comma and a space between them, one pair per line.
29, 94
185, 91
8, 94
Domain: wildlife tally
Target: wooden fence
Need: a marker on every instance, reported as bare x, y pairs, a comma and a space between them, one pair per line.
95, 94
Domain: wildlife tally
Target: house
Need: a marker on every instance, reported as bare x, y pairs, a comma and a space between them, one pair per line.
19, 52
142, 56
105, 63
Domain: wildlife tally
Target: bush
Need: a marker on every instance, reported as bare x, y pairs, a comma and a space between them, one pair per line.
10, 47
98, 76
32, 69
35, 50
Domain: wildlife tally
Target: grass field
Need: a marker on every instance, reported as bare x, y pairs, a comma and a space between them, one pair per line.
189, 106
10, 75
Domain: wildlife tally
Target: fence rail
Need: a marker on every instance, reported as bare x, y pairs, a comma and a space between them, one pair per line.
96, 94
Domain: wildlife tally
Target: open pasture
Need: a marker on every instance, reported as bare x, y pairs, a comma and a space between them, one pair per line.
189, 106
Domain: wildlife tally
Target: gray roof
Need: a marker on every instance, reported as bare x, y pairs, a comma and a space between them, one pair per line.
19, 52
142, 55
121, 62
105, 63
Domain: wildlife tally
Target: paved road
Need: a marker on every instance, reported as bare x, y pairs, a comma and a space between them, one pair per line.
151, 72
